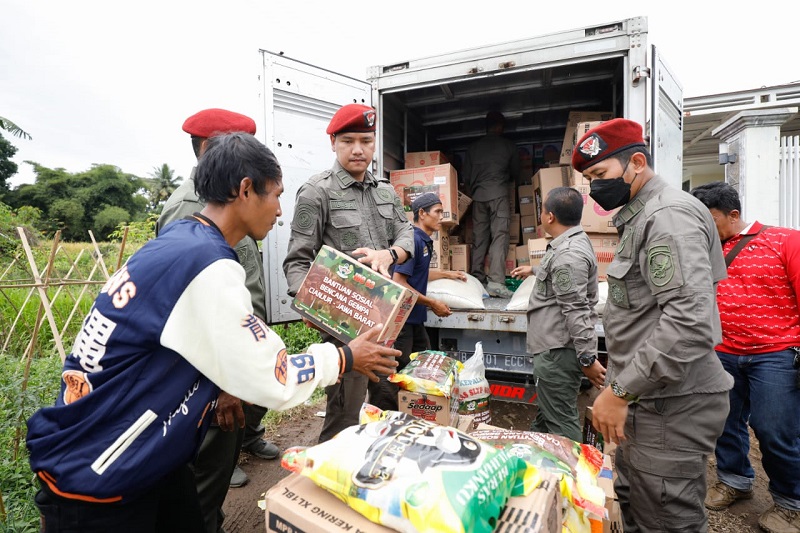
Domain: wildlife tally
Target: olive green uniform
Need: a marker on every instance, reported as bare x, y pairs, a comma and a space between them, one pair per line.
334, 209
661, 324
561, 320
219, 451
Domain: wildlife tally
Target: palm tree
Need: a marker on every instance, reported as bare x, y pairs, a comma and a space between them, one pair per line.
13, 129
163, 184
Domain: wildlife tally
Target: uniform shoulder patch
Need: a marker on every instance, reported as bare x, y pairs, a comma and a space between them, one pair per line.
385, 194
663, 265
563, 281
305, 218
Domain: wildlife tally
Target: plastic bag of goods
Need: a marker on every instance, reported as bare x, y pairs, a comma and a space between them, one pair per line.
578, 464
472, 389
429, 372
412, 475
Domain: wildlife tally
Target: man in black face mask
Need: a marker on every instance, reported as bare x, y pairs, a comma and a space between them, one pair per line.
661, 324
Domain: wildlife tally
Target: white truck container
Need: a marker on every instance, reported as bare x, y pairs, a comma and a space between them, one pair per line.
439, 103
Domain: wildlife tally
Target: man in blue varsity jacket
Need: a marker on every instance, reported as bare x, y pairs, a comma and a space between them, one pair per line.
166, 333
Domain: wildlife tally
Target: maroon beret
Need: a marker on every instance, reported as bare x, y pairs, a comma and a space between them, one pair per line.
352, 117
605, 140
210, 122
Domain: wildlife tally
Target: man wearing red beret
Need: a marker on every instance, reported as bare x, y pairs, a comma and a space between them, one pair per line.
668, 396
215, 468
349, 209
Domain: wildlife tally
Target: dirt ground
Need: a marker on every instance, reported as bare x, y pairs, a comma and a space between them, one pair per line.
243, 514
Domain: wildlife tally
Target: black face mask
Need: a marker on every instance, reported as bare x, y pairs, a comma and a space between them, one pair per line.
611, 193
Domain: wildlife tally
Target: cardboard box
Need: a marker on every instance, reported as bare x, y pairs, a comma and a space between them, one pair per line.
439, 179
528, 223
526, 201
460, 257
592, 437
546, 180
441, 251
454, 239
511, 259
523, 256
594, 218
345, 298
442, 410
512, 200
536, 250
605, 246
514, 229
296, 504
574, 118
425, 159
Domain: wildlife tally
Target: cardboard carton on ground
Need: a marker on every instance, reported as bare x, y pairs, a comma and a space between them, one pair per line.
442, 410
574, 118
296, 505
425, 159
345, 298
440, 179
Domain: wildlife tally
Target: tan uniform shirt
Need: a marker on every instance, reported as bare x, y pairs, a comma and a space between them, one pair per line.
561, 310
334, 209
183, 203
661, 319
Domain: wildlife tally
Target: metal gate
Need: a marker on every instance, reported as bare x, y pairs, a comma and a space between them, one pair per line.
790, 182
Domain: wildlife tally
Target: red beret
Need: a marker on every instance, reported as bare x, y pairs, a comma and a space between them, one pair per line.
352, 117
210, 122
604, 141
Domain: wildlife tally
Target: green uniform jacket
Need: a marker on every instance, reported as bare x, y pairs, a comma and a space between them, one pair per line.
332, 208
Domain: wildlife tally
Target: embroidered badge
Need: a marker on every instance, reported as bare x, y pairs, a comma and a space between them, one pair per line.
305, 216
617, 293
592, 146
660, 265
281, 365
385, 195
77, 385
343, 204
349, 239
563, 279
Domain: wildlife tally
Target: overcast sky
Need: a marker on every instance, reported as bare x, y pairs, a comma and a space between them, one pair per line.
112, 82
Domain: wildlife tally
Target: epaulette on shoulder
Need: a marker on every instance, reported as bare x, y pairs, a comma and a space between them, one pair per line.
316, 178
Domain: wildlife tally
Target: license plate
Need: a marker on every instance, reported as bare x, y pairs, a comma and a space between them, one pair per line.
516, 364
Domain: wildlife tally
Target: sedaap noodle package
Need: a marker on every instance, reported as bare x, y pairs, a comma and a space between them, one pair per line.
415, 476
429, 372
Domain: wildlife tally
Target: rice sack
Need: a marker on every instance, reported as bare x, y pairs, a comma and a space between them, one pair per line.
577, 464
472, 389
429, 372
412, 475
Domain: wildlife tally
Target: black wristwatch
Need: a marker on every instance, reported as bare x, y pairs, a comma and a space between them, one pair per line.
394, 255
619, 392
586, 360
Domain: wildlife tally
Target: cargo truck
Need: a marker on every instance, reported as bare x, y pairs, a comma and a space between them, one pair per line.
439, 103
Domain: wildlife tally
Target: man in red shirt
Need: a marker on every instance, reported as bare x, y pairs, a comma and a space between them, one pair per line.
759, 307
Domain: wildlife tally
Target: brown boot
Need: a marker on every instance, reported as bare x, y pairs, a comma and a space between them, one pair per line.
778, 519
721, 496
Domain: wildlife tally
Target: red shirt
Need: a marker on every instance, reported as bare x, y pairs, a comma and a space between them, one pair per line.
758, 302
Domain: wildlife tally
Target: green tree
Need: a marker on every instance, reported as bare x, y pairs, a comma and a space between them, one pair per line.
7, 167
106, 221
13, 129
72, 202
163, 183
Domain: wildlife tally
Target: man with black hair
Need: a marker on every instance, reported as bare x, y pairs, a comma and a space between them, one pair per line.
759, 306
415, 274
357, 213
490, 169
167, 332
562, 316
667, 398
237, 426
